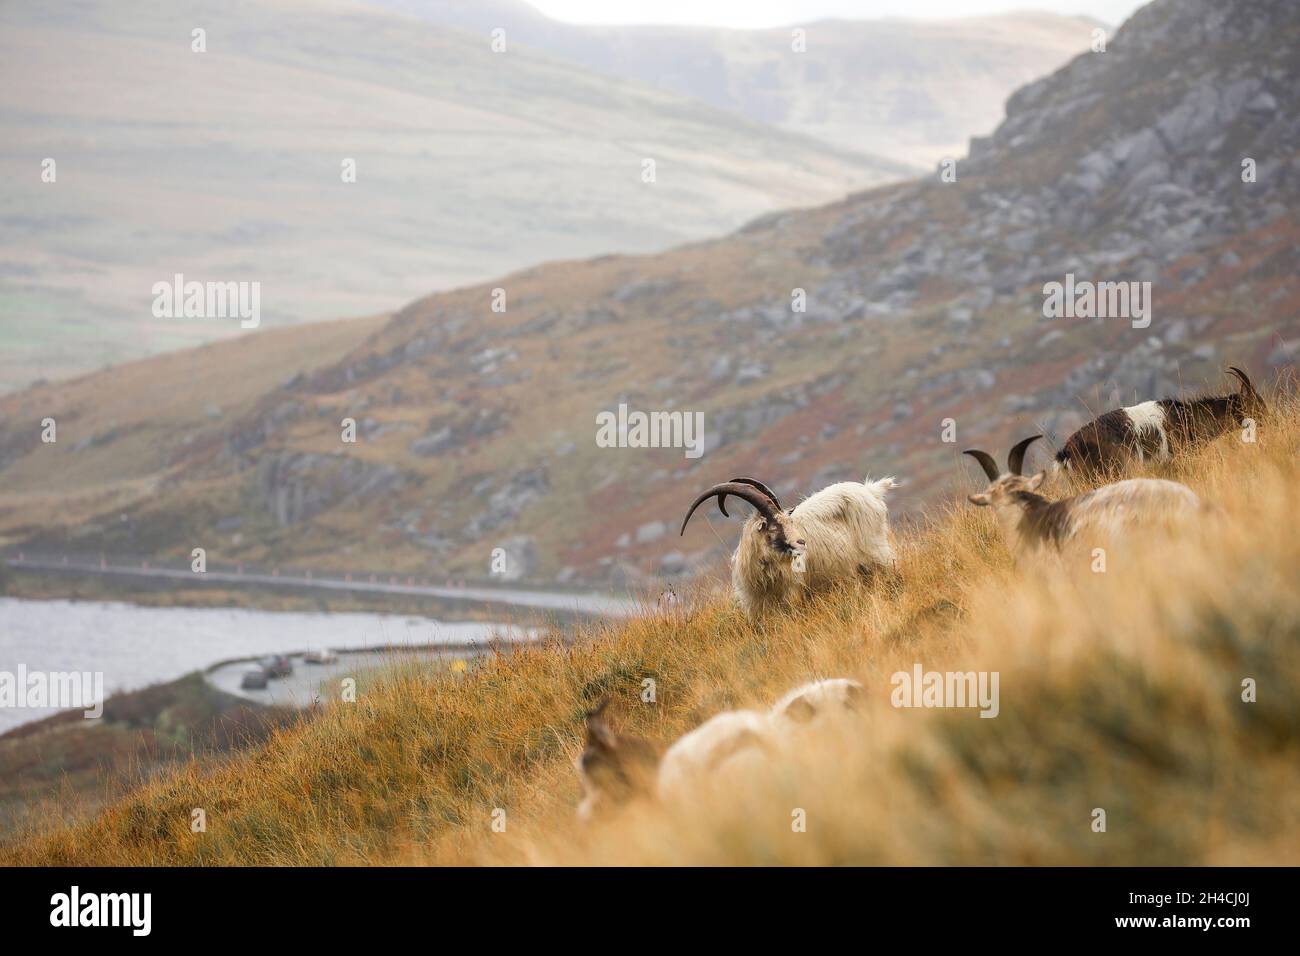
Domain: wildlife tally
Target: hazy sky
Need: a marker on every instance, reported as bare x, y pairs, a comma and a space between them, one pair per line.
770, 13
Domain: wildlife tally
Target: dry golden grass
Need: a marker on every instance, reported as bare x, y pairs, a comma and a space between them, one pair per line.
1120, 690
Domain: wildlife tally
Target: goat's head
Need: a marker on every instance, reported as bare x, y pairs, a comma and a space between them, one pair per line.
819, 700
773, 523
1005, 488
612, 767
1246, 402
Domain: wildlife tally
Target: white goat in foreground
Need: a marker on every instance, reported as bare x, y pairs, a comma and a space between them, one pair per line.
838, 535
1032, 525
728, 747
816, 701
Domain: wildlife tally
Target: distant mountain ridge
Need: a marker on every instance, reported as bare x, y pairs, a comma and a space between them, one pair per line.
924, 306
910, 90
229, 164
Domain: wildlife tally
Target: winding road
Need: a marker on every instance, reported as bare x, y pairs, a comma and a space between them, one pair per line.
590, 603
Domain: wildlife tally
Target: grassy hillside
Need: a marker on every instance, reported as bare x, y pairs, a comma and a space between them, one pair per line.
117, 446
1120, 690
63, 767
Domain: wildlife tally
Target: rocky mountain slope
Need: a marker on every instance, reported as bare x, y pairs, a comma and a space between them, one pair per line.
228, 165
924, 303
910, 90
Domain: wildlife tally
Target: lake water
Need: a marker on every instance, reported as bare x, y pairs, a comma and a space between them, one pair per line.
136, 646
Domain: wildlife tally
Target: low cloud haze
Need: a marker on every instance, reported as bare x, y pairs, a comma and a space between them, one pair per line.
772, 13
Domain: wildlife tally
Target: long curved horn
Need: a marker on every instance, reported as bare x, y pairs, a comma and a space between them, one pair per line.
986, 462
1016, 457
761, 487
748, 493
1244, 379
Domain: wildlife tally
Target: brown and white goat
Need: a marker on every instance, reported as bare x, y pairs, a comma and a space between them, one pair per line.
613, 767
1032, 525
838, 535
1159, 430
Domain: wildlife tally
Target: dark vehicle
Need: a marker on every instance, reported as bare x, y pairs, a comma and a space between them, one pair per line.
277, 666
254, 678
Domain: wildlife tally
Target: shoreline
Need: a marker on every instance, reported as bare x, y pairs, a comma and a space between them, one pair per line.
81, 580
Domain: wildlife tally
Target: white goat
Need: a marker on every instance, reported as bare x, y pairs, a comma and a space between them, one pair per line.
727, 749
838, 535
820, 700
1032, 525
731, 744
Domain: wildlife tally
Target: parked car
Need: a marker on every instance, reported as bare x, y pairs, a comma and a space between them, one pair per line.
323, 656
277, 665
254, 679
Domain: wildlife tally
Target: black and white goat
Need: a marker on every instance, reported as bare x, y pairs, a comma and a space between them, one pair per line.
838, 535
1159, 430
1032, 525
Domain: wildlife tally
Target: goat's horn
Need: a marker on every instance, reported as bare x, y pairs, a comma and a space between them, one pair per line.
1243, 378
749, 493
761, 487
986, 462
1016, 458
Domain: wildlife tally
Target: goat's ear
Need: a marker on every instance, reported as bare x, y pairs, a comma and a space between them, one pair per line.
599, 732
1036, 482
800, 710
980, 499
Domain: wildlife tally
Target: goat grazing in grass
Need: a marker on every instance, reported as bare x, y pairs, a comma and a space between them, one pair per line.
728, 747
1032, 525
837, 535
732, 742
613, 767
738, 742
812, 702
1159, 430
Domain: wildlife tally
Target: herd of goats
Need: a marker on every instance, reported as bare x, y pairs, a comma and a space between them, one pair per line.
841, 534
